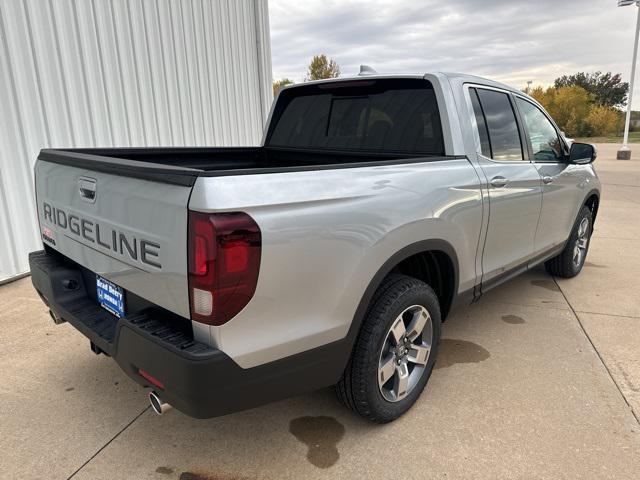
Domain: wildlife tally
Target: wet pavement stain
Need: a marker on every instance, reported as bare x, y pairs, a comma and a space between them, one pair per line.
208, 476
513, 319
548, 284
164, 470
454, 351
321, 435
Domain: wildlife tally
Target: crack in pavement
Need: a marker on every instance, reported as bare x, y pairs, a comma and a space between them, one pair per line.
575, 314
607, 314
108, 443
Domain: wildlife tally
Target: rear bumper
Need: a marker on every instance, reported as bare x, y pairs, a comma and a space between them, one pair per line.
199, 380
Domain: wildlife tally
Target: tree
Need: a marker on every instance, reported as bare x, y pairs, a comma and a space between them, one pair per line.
607, 89
568, 106
604, 120
278, 84
322, 67
542, 95
635, 121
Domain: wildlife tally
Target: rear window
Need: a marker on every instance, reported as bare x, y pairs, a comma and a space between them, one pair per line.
375, 115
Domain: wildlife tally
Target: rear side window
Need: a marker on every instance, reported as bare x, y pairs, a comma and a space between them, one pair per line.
501, 124
393, 116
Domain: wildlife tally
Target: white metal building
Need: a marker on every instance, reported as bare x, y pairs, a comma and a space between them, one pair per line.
81, 73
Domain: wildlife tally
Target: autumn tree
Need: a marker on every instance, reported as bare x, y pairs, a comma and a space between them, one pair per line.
568, 106
607, 89
576, 111
322, 67
604, 120
278, 84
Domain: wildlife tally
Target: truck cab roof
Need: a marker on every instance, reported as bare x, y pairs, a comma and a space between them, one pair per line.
452, 76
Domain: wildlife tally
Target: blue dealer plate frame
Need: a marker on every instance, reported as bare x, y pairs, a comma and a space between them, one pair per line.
110, 296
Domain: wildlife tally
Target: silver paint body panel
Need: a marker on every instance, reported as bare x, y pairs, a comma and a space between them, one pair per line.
326, 233
142, 209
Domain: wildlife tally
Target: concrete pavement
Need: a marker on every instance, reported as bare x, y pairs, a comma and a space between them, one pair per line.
540, 379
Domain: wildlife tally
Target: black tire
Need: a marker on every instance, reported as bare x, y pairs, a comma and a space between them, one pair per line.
358, 388
564, 264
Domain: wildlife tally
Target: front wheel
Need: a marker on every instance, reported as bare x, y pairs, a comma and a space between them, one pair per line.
570, 261
395, 351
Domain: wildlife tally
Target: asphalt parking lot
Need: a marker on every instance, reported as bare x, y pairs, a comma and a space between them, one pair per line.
540, 379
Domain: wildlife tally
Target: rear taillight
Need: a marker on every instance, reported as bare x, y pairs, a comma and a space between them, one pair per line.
224, 260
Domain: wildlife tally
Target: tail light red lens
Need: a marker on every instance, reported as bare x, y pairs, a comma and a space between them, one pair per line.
224, 261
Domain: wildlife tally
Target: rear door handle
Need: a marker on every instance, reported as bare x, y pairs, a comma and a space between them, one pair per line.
499, 182
547, 179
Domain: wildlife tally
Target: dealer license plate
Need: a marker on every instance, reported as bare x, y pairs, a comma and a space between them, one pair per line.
110, 296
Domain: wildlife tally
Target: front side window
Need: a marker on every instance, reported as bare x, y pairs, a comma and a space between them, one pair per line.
544, 139
501, 124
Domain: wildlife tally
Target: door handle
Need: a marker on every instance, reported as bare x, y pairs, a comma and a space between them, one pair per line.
547, 179
499, 182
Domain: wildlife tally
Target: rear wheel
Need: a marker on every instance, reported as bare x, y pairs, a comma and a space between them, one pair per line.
395, 351
570, 261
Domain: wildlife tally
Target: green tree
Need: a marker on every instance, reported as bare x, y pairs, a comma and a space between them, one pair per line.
278, 84
607, 89
322, 67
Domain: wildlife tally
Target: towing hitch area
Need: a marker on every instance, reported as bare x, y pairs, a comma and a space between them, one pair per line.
159, 406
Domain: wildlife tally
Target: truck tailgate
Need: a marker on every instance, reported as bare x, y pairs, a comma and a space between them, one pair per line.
131, 231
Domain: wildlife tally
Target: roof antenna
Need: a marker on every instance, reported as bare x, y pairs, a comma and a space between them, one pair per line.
366, 70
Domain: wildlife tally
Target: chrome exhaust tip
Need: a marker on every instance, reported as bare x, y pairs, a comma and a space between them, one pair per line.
159, 406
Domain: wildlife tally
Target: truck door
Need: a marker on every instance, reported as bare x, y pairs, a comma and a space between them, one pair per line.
513, 184
560, 181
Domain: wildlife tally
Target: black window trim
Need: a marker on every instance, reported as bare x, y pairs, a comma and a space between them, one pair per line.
526, 153
565, 147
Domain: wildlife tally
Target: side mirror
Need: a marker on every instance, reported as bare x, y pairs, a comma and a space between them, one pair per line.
582, 153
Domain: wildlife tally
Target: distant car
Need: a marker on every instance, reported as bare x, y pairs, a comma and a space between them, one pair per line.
223, 278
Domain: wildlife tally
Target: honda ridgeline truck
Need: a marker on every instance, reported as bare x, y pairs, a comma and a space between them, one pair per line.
224, 278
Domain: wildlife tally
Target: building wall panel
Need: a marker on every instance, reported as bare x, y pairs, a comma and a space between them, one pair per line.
103, 73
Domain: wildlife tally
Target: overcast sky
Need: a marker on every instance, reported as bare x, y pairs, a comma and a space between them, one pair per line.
508, 40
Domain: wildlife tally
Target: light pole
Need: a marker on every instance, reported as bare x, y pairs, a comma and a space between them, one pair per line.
625, 153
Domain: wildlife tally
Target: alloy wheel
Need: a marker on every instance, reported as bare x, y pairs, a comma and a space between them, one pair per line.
580, 247
405, 353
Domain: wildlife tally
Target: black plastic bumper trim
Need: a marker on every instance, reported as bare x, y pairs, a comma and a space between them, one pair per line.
199, 380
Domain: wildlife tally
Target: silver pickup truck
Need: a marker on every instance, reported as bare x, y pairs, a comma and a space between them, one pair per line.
224, 278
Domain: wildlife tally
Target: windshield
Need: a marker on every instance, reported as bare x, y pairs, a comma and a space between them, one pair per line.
386, 116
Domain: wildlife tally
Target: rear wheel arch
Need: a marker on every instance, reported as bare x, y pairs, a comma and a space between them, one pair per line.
407, 261
436, 269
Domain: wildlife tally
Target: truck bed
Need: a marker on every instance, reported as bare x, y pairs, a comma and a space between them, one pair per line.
182, 165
